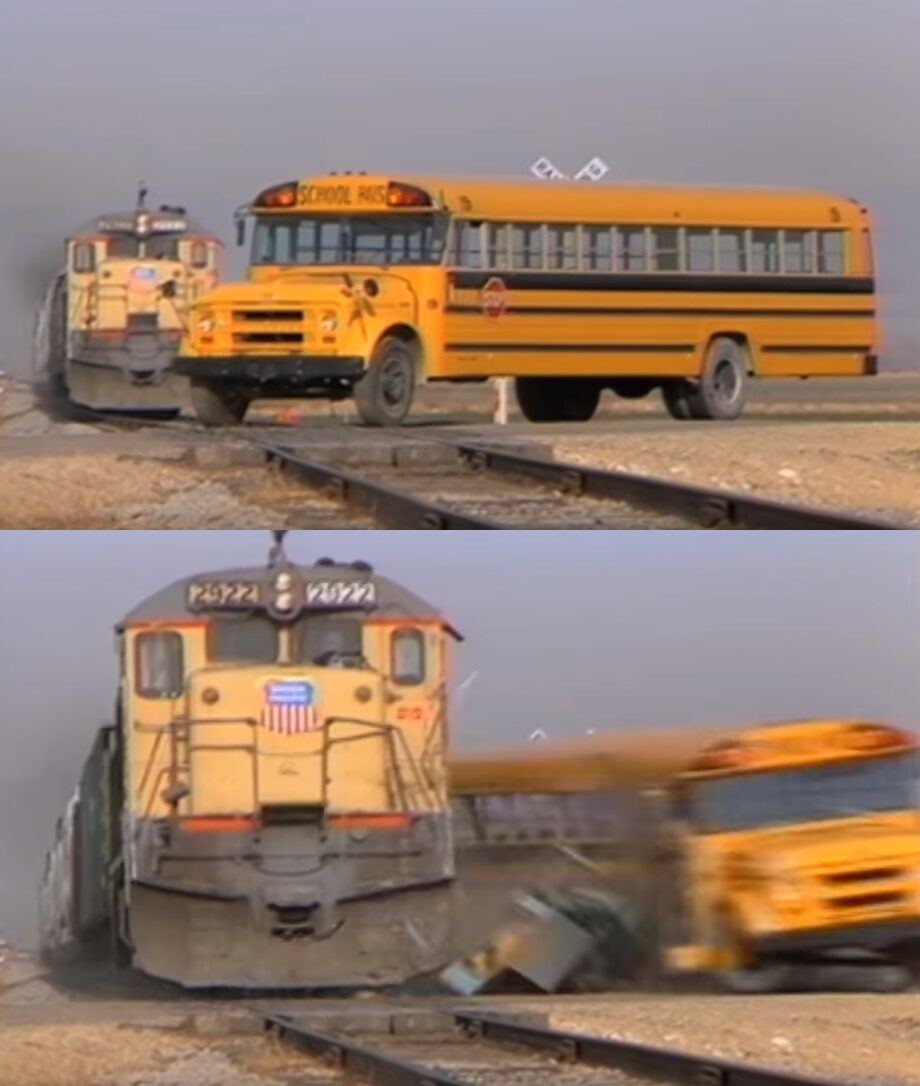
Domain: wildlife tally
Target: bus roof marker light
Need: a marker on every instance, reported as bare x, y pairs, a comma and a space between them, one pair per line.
278, 196
876, 737
400, 195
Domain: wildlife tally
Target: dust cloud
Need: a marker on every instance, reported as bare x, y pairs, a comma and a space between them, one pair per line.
209, 101
566, 632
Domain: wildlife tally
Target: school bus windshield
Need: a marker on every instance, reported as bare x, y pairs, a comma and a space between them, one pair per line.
819, 793
350, 239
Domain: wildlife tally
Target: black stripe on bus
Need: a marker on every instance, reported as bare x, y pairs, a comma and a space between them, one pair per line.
575, 348
715, 283
810, 348
686, 311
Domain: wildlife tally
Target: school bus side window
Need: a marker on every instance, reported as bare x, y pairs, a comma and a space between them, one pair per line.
407, 662
527, 246
159, 665
469, 244
499, 237
830, 252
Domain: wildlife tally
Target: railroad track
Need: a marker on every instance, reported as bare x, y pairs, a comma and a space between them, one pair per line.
478, 486
472, 1049
494, 488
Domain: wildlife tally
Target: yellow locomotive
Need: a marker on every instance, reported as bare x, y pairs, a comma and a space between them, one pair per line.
269, 808
109, 326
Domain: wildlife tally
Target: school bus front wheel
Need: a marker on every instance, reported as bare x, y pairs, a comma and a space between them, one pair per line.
216, 404
384, 394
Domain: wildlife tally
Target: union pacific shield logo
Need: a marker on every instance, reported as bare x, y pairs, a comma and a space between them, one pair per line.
289, 707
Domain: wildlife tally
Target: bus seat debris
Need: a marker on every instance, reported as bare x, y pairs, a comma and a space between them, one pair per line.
553, 942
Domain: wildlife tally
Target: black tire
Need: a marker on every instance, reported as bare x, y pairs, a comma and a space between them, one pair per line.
384, 394
755, 978
217, 404
676, 396
722, 390
633, 388
557, 399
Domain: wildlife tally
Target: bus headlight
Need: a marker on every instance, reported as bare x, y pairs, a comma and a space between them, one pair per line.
207, 322
329, 321
787, 892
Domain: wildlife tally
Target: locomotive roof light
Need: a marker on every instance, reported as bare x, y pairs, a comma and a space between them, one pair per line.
284, 602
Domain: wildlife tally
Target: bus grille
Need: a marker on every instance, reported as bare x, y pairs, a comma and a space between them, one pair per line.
269, 328
278, 316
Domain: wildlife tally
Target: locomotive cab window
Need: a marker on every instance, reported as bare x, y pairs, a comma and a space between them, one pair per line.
162, 248
248, 640
121, 248
84, 257
159, 665
330, 641
407, 657
199, 254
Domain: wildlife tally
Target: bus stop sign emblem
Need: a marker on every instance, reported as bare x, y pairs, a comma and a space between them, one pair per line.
494, 297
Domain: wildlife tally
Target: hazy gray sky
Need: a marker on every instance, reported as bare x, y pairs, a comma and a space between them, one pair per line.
566, 630
209, 100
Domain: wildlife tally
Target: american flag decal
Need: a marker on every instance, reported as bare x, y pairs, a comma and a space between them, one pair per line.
289, 708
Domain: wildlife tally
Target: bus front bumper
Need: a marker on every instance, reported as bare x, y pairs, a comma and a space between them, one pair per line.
877, 935
257, 370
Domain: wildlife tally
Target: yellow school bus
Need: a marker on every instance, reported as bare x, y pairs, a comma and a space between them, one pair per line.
793, 844
365, 286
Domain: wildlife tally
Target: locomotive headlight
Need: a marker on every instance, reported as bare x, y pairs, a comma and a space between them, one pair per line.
284, 601
283, 582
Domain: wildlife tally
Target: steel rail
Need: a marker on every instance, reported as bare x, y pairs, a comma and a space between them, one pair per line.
644, 1061
385, 503
368, 1064
711, 508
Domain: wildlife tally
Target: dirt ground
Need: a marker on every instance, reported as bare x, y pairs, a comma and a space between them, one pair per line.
852, 1037
129, 1055
868, 468
107, 491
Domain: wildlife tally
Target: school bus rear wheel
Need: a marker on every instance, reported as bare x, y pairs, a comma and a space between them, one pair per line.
384, 394
722, 390
676, 395
216, 404
633, 388
557, 399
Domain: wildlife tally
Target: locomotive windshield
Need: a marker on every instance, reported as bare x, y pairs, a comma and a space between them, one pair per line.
319, 640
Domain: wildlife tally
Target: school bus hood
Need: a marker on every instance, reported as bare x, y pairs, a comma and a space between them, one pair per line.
289, 292
836, 846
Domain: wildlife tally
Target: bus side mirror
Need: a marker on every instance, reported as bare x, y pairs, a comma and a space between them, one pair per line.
240, 231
